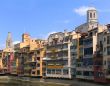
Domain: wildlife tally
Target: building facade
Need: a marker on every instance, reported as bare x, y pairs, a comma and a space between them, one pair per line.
58, 53
8, 55
29, 56
89, 31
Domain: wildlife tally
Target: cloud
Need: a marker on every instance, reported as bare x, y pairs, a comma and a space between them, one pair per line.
16, 42
81, 10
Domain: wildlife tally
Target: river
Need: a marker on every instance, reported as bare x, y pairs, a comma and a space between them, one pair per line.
28, 84
21, 81
14, 81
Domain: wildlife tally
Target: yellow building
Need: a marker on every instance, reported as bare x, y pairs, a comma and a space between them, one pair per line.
29, 54
36, 62
1, 65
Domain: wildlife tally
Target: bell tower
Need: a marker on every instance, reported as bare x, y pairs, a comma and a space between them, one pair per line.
92, 15
92, 18
9, 43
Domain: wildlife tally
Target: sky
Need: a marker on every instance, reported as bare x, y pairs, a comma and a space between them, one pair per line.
39, 18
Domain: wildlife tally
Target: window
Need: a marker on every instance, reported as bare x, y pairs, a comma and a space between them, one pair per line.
94, 15
104, 49
90, 15
79, 73
87, 61
58, 71
104, 39
108, 39
88, 41
33, 72
95, 32
108, 50
53, 71
38, 58
101, 46
104, 62
78, 64
90, 34
108, 62
80, 41
99, 74
38, 72
65, 46
38, 65
48, 71
88, 51
65, 71
86, 73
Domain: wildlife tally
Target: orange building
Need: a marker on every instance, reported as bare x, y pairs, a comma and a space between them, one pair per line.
29, 54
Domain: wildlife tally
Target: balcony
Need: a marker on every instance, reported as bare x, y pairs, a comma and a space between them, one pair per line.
55, 66
98, 56
98, 68
88, 45
38, 55
30, 61
73, 49
55, 44
108, 73
27, 68
84, 68
88, 56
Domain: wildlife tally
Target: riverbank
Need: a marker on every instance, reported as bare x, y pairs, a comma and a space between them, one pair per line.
26, 81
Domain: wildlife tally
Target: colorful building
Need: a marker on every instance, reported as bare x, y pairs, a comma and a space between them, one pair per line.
1, 64
87, 45
58, 63
30, 53
8, 55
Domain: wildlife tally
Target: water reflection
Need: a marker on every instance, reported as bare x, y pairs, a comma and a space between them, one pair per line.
26, 84
18, 84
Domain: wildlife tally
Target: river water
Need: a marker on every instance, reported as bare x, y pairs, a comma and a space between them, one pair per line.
26, 84
17, 81
14, 81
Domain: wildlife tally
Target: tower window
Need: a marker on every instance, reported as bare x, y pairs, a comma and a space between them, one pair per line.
94, 15
90, 15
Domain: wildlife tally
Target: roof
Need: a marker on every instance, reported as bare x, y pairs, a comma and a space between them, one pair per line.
92, 8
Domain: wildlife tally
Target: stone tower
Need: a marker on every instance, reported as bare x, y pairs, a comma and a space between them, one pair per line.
26, 38
92, 18
9, 43
92, 15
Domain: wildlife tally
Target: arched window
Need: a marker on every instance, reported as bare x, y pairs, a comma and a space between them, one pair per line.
90, 15
94, 15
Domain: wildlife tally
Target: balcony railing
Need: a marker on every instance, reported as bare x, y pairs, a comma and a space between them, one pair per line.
88, 45
88, 56
98, 54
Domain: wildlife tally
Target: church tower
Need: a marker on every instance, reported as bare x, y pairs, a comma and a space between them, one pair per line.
92, 18
92, 15
9, 43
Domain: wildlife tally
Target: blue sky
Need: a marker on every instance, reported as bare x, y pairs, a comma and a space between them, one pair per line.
41, 17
